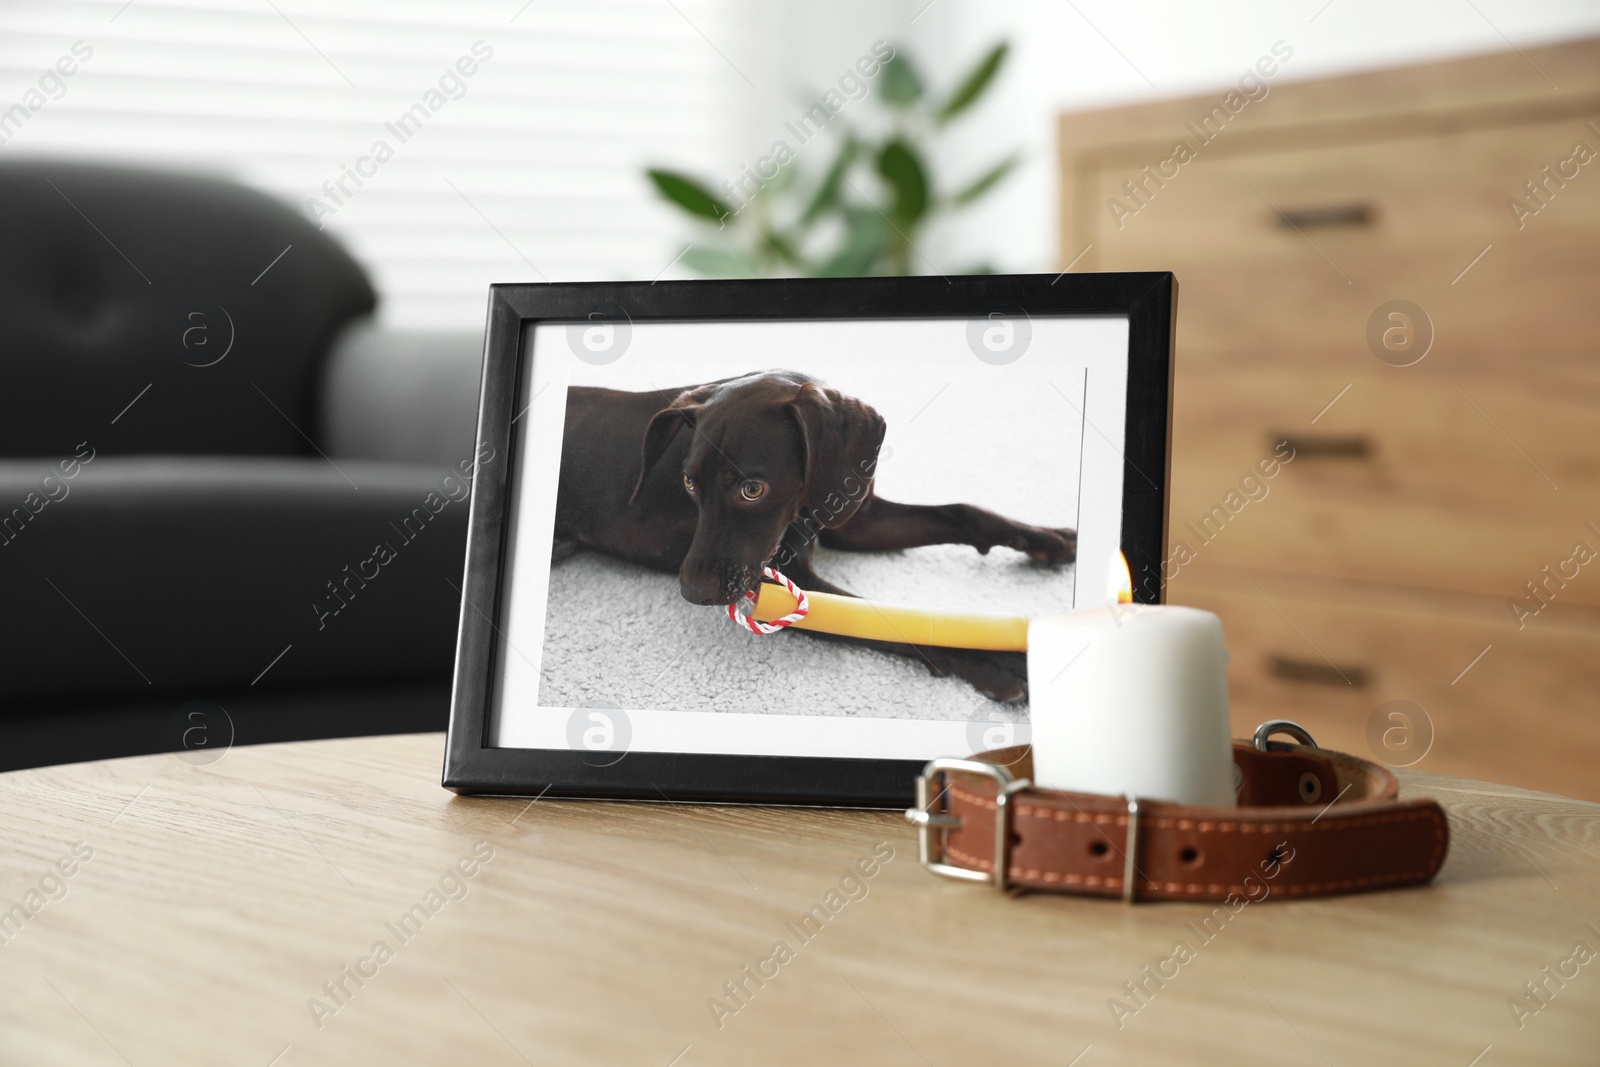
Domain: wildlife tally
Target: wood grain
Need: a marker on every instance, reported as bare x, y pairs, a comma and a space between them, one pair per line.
1255, 286
1440, 498
219, 898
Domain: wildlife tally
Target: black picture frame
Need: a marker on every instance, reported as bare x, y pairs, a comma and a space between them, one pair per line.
472, 765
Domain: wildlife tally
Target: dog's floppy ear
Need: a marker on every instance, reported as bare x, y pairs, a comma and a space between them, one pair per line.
664, 426
841, 436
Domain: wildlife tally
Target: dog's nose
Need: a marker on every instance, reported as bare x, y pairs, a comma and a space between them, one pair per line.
702, 589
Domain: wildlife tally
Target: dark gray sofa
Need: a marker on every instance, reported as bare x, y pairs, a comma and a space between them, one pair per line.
204, 441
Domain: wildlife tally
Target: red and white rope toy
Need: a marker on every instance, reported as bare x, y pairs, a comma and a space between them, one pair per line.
801, 609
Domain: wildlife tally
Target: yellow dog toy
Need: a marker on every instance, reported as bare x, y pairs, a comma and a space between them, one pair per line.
874, 621
892, 622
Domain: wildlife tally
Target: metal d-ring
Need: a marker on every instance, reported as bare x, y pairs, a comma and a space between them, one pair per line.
1281, 726
1130, 846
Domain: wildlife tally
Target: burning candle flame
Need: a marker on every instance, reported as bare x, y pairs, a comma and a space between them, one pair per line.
1119, 588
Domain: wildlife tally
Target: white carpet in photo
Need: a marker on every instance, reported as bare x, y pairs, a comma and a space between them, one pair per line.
622, 636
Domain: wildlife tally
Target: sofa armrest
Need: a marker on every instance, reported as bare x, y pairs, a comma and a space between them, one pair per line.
409, 396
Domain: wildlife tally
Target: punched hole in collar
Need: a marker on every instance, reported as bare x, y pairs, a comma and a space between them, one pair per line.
1310, 788
1190, 855
1098, 848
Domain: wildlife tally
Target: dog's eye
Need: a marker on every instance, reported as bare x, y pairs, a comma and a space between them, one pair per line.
688, 483
753, 490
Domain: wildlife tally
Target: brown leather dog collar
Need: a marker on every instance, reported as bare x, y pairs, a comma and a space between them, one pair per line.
1310, 822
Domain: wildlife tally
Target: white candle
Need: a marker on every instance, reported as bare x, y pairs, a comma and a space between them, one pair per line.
1131, 699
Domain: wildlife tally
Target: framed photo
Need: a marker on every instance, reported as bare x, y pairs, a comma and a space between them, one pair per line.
651, 453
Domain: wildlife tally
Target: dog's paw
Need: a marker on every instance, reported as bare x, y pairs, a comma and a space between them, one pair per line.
1001, 676
1054, 547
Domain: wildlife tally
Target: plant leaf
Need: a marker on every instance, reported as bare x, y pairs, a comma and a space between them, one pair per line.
719, 262
899, 82
975, 83
986, 181
827, 194
780, 245
689, 194
863, 244
781, 181
902, 168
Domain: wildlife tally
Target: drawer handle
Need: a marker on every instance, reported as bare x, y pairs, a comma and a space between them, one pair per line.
1327, 446
1328, 215
1317, 672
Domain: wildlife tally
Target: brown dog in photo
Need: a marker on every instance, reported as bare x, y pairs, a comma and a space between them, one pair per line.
713, 482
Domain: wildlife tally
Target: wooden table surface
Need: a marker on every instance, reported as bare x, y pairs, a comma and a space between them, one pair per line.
210, 914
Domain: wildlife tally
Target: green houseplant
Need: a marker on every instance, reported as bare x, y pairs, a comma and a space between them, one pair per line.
864, 212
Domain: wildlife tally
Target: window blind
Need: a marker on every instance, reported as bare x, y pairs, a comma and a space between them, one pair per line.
448, 146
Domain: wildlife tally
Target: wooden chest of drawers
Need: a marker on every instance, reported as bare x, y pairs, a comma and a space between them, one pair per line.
1443, 498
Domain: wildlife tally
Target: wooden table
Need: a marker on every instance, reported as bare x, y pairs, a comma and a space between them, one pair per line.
208, 905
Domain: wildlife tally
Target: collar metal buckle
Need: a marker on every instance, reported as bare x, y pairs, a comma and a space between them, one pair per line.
932, 822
